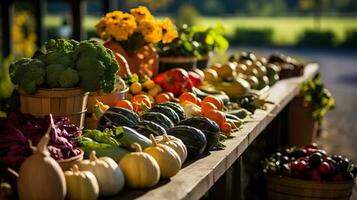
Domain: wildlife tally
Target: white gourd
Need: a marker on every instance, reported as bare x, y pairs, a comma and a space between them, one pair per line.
40, 176
109, 176
81, 185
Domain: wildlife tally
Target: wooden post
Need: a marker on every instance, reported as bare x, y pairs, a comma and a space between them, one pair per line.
40, 13
78, 14
7, 12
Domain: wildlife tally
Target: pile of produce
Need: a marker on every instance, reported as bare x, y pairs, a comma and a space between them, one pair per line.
289, 67
17, 131
66, 64
310, 163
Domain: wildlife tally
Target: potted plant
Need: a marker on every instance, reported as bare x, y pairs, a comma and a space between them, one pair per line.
210, 39
310, 107
182, 52
131, 35
58, 79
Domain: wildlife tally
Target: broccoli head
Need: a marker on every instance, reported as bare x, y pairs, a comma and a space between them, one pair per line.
28, 74
58, 57
54, 72
60, 45
96, 66
69, 78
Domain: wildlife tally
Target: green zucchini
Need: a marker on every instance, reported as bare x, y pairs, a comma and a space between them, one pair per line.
158, 118
127, 136
177, 108
167, 111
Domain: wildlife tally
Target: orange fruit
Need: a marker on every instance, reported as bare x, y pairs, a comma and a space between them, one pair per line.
136, 88
140, 100
162, 97
226, 127
124, 104
218, 116
188, 96
216, 101
207, 106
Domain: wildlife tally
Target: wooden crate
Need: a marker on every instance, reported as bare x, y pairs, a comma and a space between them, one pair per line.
69, 102
285, 188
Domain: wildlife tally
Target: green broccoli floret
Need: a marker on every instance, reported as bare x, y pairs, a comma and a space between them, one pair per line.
54, 72
96, 66
57, 57
60, 45
69, 78
28, 73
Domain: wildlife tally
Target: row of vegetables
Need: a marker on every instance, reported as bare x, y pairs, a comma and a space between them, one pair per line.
166, 119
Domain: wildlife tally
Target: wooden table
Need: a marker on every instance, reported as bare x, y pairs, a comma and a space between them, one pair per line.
198, 176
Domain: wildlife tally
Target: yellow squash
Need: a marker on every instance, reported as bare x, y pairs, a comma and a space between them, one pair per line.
239, 87
169, 161
140, 169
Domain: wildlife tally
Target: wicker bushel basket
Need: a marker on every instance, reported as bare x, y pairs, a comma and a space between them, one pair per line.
285, 188
69, 102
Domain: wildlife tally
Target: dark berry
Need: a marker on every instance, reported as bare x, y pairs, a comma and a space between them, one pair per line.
285, 170
298, 153
337, 158
284, 159
311, 146
315, 159
324, 168
343, 165
323, 152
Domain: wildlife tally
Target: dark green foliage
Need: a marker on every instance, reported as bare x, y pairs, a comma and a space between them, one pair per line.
313, 38
247, 36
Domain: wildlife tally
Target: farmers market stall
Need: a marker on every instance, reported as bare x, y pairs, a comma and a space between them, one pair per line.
202, 175
118, 118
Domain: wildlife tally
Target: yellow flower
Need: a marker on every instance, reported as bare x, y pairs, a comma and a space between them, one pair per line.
100, 28
116, 24
169, 32
151, 30
141, 13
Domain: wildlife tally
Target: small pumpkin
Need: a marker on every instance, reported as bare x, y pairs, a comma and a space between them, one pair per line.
81, 184
40, 170
140, 169
109, 176
175, 144
169, 161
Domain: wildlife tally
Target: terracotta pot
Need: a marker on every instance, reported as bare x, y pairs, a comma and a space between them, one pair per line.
187, 63
302, 127
142, 61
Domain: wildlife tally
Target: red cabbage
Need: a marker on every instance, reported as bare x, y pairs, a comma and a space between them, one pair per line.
17, 129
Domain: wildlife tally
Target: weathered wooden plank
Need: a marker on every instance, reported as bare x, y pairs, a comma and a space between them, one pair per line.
195, 179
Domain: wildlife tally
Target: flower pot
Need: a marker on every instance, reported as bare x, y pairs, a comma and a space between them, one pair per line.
69, 102
286, 188
144, 60
203, 62
167, 63
302, 127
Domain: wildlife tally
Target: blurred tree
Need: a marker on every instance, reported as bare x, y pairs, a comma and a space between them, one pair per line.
187, 14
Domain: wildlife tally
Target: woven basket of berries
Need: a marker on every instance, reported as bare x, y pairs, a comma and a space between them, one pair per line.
309, 173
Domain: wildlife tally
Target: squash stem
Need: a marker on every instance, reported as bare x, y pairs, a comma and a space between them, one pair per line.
92, 156
152, 138
166, 138
137, 147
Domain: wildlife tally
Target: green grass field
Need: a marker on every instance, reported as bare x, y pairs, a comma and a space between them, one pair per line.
286, 29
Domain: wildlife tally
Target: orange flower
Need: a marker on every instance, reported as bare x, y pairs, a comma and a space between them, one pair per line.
151, 30
141, 13
169, 32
